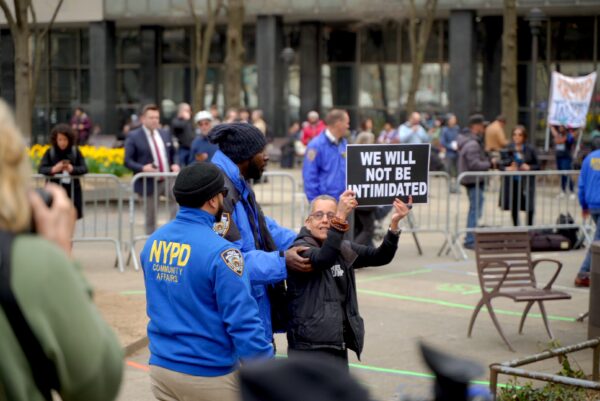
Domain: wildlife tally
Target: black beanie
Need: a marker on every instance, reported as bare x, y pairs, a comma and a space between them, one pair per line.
197, 183
239, 141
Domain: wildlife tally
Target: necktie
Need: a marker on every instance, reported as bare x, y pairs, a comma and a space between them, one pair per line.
161, 167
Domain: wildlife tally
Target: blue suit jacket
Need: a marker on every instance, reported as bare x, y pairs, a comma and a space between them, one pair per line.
138, 154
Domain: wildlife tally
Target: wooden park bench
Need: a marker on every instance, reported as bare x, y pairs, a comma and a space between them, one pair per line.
505, 269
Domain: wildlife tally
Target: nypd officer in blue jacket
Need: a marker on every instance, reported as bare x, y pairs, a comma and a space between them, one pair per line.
242, 156
203, 319
324, 170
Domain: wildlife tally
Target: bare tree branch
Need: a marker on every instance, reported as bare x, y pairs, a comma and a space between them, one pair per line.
9, 17
51, 22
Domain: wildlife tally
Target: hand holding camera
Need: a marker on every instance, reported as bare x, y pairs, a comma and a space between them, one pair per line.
54, 217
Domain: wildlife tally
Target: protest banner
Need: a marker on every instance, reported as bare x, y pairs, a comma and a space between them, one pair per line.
570, 99
380, 173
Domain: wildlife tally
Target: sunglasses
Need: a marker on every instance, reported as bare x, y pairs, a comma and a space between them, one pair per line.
225, 191
319, 215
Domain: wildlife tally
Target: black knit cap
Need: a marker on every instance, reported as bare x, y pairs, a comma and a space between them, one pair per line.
197, 183
476, 119
239, 141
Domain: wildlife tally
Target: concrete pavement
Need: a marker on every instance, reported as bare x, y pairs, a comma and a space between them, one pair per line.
414, 298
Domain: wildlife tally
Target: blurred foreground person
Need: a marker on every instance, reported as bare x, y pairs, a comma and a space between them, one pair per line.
53, 338
203, 319
323, 307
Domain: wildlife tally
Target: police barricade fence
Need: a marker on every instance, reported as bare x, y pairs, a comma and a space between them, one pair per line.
151, 205
281, 199
532, 199
275, 193
101, 207
433, 217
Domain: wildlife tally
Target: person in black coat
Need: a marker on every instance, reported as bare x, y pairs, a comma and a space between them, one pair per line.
323, 313
518, 192
63, 159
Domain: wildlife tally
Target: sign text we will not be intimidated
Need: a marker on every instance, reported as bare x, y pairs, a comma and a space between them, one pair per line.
380, 173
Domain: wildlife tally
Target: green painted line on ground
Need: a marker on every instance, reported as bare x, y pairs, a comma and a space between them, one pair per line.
392, 275
401, 372
456, 305
133, 292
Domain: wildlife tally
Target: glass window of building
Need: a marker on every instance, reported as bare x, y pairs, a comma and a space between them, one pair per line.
379, 44
572, 38
340, 45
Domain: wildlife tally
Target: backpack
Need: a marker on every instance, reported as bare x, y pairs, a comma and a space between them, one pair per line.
572, 234
43, 370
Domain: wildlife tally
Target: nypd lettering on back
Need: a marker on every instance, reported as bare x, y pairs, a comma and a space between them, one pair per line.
168, 260
336, 271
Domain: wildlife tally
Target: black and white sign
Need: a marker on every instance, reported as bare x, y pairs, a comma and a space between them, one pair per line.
380, 173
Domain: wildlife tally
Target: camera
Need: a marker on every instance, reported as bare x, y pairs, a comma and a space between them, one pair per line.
47, 198
45, 195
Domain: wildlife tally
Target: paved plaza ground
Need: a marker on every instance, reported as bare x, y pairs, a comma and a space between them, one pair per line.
414, 298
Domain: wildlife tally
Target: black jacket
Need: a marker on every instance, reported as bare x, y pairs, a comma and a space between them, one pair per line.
322, 304
518, 190
73, 188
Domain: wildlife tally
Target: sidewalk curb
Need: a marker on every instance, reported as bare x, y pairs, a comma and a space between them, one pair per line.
135, 346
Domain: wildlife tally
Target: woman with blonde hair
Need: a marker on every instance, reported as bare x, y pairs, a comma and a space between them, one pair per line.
53, 338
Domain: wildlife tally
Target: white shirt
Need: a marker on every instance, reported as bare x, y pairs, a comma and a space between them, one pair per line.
331, 138
161, 148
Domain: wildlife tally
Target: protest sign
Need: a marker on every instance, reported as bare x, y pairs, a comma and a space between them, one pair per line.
570, 99
380, 173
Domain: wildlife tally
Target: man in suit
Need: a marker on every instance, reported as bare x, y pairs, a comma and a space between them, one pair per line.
150, 150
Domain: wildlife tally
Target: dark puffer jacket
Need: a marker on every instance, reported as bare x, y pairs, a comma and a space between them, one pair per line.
471, 157
322, 304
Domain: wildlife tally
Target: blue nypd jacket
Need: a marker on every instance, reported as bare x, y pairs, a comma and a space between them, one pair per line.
203, 319
324, 170
263, 267
589, 182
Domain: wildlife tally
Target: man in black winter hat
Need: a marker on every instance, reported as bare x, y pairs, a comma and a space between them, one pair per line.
203, 319
242, 156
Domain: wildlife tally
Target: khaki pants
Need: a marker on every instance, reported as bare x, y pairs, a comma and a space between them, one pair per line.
168, 385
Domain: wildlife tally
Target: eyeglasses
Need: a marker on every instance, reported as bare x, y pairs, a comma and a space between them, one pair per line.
319, 215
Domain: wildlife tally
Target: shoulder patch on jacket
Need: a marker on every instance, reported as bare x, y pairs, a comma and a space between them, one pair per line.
595, 163
222, 227
233, 259
311, 154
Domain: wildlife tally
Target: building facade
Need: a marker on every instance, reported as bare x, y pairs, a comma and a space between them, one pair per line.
352, 54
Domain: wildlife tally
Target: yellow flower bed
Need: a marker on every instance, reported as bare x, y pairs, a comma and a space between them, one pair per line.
99, 160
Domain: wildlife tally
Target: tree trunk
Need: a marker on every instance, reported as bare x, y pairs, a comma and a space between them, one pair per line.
234, 60
200, 73
510, 105
202, 45
22, 76
418, 45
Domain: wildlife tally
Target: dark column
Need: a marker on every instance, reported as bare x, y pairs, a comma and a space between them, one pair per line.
7, 67
102, 76
462, 64
310, 67
492, 63
270, 65
150, 39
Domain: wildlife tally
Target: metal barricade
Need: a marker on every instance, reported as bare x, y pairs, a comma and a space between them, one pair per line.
277, 194
433, 217
153, 192
102, 208
507, 194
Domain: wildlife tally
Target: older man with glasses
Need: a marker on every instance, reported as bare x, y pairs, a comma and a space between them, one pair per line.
202, 149
322, 304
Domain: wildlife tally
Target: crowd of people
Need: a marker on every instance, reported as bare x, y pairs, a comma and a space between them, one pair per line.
221, 277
